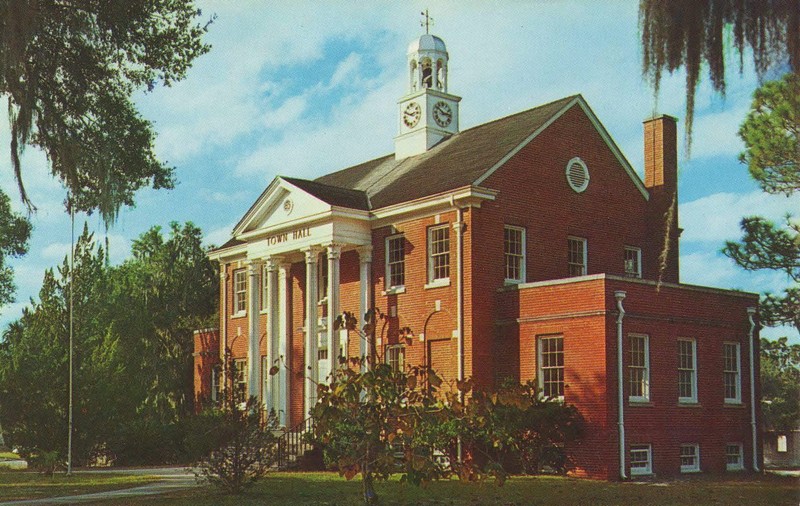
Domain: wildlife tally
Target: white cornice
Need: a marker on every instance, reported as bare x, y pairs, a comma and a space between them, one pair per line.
467, 196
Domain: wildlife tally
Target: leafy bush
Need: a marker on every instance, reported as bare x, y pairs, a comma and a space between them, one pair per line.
46, 462
247, 448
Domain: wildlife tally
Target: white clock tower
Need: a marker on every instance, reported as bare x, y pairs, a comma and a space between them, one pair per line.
427, 113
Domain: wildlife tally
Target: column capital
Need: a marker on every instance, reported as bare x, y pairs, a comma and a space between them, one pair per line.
312, 252
365, 253
253, 266
273, 263
459, 226
334, 250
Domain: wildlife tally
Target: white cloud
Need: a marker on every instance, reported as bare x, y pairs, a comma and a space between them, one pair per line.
219, 236
715, 218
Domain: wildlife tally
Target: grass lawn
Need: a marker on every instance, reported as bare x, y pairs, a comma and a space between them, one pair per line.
298, 489
31, 485
8, 455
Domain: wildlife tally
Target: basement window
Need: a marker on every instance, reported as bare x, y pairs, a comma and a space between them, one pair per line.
641, 460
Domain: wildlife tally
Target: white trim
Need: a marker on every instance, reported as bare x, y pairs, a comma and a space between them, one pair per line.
600, 129
466, 196
693, 468
738, 398
646, 388
648, 469
693, 398
432, 280
389, 287
580, 188
739, 466
585, 243
638, 252
540, 369
524, 261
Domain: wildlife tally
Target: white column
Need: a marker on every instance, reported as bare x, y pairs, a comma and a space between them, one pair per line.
273, 353
334, 252
311, 371
283, 342
253, 335
365, 301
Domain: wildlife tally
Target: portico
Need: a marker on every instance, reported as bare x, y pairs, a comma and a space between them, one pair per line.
292, 230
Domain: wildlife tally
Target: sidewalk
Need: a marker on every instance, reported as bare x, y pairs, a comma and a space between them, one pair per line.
170, 478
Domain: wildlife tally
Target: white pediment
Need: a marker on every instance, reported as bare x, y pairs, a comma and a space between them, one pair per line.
282, 205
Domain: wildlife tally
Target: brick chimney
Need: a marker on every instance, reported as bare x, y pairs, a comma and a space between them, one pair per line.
661, 180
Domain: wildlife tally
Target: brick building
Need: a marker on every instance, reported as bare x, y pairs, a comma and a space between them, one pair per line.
526, 247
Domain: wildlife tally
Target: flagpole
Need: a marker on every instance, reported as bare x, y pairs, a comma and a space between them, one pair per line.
71, 306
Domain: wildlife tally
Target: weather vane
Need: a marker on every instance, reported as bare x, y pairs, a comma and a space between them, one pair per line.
427, 22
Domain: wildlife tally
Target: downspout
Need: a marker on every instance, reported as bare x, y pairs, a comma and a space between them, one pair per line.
459, 226
751, 311
620, 296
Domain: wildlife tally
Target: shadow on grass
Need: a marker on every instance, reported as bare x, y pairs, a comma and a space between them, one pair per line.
297, 489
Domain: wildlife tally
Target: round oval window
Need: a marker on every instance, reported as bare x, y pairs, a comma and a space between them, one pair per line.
577, 175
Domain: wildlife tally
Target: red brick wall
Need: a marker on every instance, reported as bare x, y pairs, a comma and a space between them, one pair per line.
206, 356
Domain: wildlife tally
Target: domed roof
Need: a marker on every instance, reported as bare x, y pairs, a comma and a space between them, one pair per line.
427, 42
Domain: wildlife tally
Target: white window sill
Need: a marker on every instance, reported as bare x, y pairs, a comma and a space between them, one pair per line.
737, 469
438, 283
394, 290
240, 314
639, 401
688, 402
689, 471
733, 402
641, 473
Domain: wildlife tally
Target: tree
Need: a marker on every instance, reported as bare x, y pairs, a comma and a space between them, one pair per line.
688, 33
780, 384
14, 233
70, 69
771, 134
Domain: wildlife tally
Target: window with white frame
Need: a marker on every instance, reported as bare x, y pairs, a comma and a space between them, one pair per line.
264, 287
633, 262
239, 380
395, 261
782, 445
641, 460
216, 384
514, 253
395, 357
239, 291
576, 256
690, 458
734, 458
687, 370
322, 276
439, 253
639, 368
551, 366
731, 372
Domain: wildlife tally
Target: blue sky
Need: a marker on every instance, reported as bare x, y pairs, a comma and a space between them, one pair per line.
305, 88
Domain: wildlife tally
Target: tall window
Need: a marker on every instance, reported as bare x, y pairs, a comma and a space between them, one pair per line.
395, 357
514, 253
734, 460
439, 253
551, 366
633, 262
239, 380
322, 276
782, 444
216, 384
731, 372
641, 460
576, 256
639, 368
690, 458
687, 370
239, 291
395, 261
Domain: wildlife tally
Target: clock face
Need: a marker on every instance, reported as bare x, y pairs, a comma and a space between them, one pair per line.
412, 114
442, 114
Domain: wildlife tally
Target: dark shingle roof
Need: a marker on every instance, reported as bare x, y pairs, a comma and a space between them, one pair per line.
455, 162
333, 195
